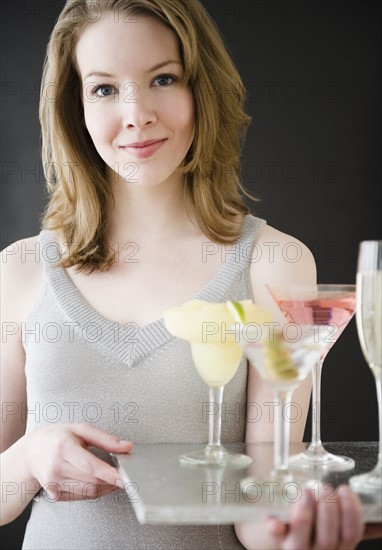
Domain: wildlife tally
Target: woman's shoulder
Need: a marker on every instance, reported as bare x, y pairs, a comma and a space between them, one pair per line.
278, 238
280, 258
22, 256
21, 276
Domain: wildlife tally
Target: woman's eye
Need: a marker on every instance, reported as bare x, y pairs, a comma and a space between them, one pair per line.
103, 91
165, 79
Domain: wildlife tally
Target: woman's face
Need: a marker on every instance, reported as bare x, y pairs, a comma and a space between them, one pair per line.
131, 75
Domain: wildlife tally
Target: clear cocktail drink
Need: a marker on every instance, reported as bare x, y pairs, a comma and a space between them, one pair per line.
283, 365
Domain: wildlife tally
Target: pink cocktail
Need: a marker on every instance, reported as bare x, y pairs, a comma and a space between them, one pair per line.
325, 310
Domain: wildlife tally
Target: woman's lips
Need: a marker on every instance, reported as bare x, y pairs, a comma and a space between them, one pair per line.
143, 151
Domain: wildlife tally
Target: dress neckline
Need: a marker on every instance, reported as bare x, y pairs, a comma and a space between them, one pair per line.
130, 342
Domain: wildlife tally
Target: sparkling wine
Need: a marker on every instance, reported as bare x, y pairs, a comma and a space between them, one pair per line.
369, 317
369, 325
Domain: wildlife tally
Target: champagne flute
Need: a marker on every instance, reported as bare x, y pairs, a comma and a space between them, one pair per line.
369, 326
325, 310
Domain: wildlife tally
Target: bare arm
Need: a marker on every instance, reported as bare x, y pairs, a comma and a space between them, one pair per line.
18, 282
279, 260
52, 457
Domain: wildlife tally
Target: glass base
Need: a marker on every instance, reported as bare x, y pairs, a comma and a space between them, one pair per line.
215, 455
319, 459
369, 483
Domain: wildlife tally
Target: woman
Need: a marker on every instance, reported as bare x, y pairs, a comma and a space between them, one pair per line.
141, 144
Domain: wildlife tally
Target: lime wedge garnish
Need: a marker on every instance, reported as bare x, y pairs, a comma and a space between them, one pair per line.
278, 361
237, 311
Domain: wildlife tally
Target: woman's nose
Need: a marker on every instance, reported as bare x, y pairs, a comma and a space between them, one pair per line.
138, 109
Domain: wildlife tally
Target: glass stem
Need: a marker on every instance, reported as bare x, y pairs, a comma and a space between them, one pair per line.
378, 380
281, 430
215, 419
316, 406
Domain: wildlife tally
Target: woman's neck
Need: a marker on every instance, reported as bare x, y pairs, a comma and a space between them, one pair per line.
149, 214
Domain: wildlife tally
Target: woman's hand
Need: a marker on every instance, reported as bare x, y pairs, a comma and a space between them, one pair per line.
326, 519
331, 520
58, 460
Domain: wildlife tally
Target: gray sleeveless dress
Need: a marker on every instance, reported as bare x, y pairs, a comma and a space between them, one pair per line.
139, 384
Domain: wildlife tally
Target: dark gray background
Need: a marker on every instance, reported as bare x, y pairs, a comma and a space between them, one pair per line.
313, 152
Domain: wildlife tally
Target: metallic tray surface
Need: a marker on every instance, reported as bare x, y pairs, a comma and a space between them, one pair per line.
163, 491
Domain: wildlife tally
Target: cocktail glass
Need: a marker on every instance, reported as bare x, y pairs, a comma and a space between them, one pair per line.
369, 325
216, 365
216, 355
283, 365
325, 310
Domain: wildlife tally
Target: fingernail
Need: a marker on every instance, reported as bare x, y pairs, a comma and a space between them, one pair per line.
119, 483
123, 442
274, 526
307, 498
345, 490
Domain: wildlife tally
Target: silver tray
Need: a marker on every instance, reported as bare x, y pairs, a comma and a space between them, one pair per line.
162, 491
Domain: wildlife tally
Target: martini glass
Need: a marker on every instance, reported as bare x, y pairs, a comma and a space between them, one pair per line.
283, 365
369, 325
325, 310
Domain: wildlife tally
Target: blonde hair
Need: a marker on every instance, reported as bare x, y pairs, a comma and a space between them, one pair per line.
80, 196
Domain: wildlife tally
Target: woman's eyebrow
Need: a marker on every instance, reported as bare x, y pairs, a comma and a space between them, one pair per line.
154, 68
163, 64
98, 73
